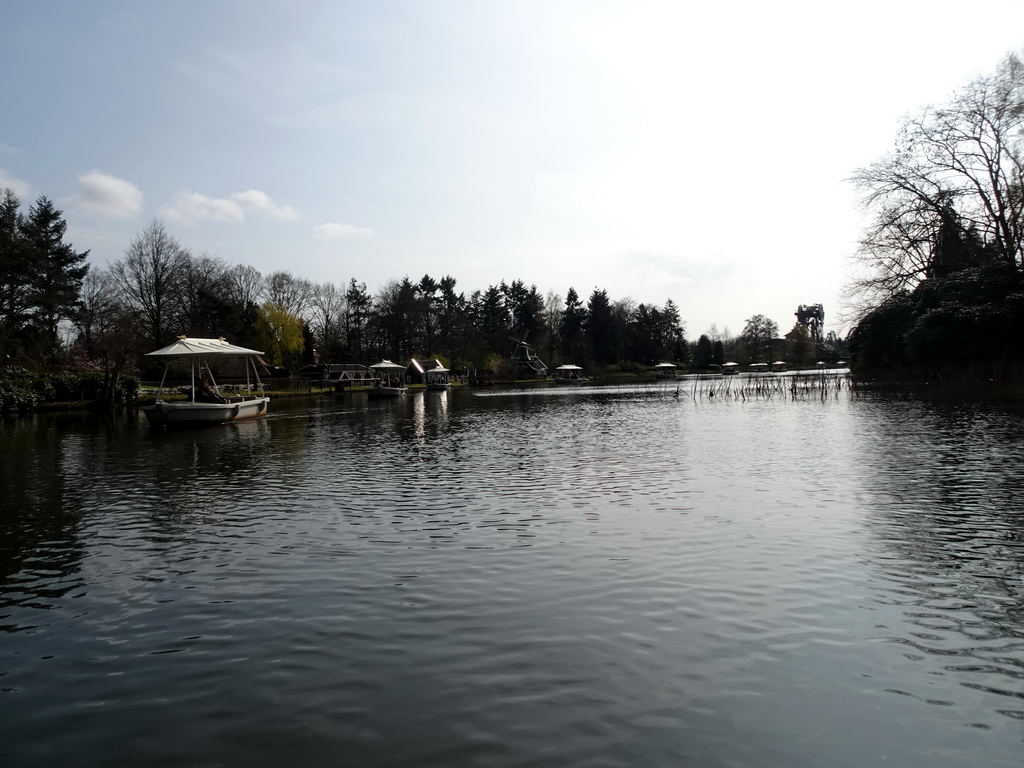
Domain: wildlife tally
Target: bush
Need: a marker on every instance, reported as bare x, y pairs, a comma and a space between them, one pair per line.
22, 390
17, 390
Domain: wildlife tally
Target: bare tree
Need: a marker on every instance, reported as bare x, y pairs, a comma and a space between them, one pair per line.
149, 278
552, 320
99, 300
327, 312
957, 172
288, 292
203, 281
623, 312
107, 331
245, 285
757, 336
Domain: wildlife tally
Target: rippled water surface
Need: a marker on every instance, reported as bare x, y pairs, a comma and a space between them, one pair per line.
590, 578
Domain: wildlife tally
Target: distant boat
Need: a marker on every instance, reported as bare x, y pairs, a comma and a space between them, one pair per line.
758, 368
438, 379
430, 373
569, 374
389, 379
730, 369
779, 366
211, 407
665, 371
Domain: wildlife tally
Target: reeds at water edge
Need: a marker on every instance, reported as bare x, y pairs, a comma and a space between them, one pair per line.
797, 386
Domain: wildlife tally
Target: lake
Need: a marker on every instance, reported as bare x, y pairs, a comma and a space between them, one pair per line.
549, 577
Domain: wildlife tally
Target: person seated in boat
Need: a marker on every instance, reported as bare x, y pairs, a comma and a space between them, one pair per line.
206, 394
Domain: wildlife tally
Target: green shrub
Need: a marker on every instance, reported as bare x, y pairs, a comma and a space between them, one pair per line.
22, 390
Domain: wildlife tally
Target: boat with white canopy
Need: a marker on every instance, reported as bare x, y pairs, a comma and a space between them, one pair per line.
438, 379
205, 404
389, 381
665, 371
569, 374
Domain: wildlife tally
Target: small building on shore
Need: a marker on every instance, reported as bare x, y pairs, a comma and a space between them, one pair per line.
345, 375
417, 370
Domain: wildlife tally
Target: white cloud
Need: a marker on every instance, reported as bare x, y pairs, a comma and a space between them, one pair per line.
193, 207
333, 231
20, 188
253, 198
108, 195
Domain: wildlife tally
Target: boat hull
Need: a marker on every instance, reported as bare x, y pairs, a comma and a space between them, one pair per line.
385, 392
163, 413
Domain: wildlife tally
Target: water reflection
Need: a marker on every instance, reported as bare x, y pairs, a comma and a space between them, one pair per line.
44, 471
583, 578
947, 514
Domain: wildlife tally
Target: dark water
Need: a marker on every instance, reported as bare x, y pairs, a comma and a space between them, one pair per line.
549, 579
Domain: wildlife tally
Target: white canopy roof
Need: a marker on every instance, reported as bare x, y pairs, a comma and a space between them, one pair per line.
666, 365
387, 365
568, 368
201, 347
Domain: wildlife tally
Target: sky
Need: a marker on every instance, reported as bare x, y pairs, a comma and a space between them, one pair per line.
697, 152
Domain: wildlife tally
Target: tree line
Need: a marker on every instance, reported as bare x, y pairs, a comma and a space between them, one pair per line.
159, 290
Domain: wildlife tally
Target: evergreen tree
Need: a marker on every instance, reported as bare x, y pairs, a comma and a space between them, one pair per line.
570, 329
600, 328
674, 334
453, 320
644, 342
15, 274
358, 306
718, 352
704, 351
57, 270
494, 320
426, 290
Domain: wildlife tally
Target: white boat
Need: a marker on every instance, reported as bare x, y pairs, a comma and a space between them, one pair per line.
665, 371
758, 368
569, 374
437, 379
779, 366
214, 408
389, 379
730, 369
